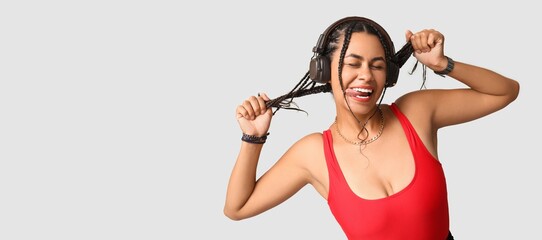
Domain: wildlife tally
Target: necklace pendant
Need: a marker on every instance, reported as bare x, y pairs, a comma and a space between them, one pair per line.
364, 142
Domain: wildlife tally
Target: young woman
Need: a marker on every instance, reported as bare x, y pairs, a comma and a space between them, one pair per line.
377, 164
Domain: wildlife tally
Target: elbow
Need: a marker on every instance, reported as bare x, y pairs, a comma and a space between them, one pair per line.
232, 214
514, 91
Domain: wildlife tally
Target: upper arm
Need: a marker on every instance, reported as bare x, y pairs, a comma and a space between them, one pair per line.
445, 107
286, 177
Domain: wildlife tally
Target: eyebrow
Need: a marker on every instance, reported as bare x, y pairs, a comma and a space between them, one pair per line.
361, 57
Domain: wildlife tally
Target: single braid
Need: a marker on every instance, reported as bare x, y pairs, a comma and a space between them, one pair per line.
346, 42
387, 51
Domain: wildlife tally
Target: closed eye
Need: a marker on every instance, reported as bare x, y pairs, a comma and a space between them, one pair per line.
353, 64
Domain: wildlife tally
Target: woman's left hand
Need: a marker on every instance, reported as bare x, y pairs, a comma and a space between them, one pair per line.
428, 47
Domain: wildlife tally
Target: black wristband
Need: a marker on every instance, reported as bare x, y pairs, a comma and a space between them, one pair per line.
448, 68
254, 139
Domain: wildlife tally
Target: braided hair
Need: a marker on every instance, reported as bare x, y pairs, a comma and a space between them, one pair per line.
306, 86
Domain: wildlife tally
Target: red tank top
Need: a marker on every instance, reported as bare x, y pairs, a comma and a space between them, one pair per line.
418, 212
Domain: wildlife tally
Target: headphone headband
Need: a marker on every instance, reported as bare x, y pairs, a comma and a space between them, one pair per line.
322, 40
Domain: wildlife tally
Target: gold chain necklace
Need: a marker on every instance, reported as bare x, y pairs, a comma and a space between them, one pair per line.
364, 142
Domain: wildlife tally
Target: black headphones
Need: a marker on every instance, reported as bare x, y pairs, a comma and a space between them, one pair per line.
320, 66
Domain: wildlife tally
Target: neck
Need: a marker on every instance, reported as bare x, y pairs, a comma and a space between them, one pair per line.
362, 130
354, 121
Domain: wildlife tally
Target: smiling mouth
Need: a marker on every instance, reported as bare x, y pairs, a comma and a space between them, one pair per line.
362, 93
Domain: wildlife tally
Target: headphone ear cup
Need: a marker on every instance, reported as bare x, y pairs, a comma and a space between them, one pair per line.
392, 74
319, 69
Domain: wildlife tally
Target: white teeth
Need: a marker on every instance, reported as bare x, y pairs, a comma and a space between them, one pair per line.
364, 90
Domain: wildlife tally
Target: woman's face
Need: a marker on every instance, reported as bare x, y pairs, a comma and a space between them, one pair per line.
363, 74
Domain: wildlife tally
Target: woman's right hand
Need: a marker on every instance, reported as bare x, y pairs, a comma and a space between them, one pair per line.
253, 116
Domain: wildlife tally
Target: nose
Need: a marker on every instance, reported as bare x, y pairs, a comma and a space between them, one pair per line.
365, 73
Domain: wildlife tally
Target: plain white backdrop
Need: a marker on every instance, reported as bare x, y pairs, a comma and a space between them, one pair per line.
117, 117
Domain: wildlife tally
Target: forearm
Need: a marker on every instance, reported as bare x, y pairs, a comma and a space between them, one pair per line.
243, 178
484, 80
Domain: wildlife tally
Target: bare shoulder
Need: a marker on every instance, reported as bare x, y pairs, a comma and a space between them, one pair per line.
309, 144
418, 103
309, 154
302, 152
308, 151
419, 108
312, 138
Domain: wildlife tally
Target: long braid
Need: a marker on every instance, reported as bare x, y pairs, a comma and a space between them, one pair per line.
304, 87
389, 54
402, 56
346, 42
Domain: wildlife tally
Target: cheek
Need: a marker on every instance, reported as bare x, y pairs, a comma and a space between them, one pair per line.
347, 74
380, 76
347, 78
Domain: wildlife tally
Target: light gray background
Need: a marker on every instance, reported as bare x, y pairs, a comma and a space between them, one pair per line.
117, 117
